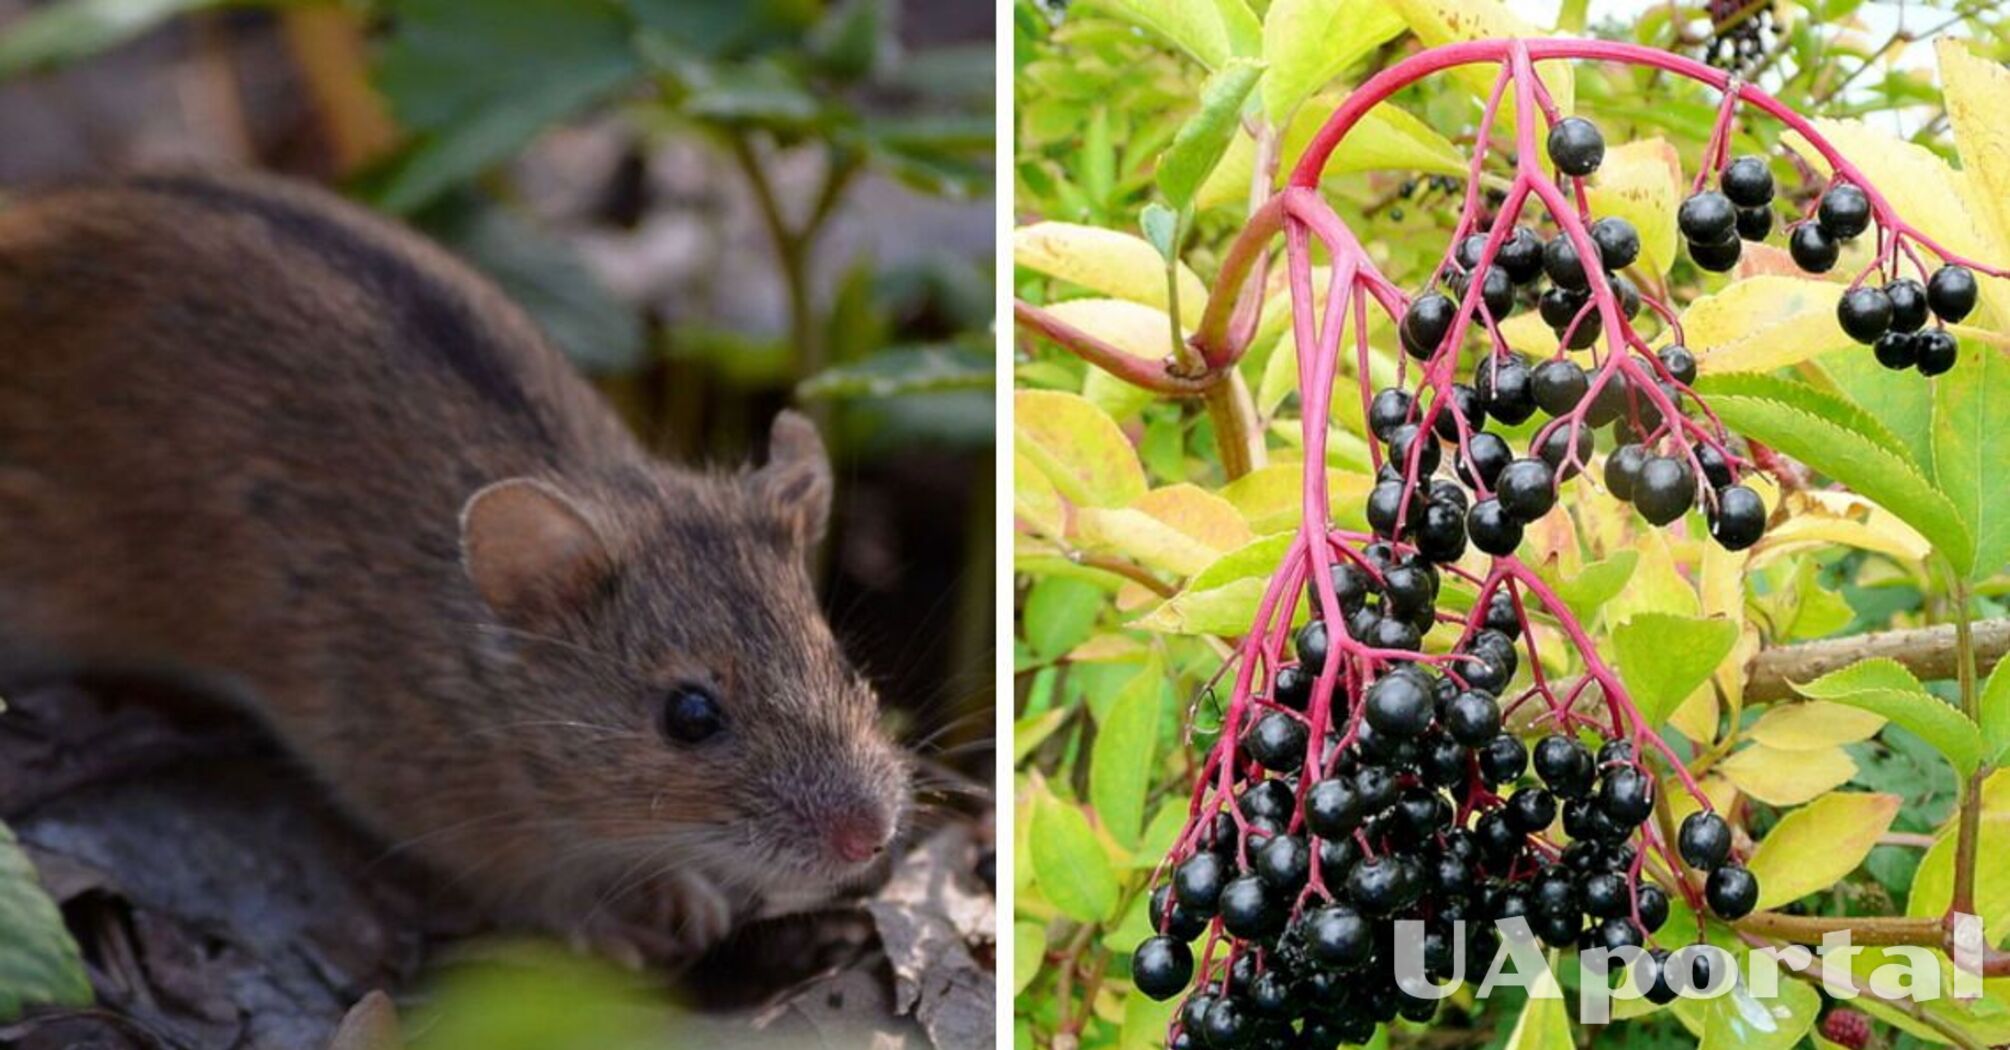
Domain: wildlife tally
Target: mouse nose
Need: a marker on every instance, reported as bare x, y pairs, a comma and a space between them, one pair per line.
856, 836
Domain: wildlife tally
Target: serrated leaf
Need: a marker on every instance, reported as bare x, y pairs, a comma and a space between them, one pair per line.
1662, 658
1787, 778
1106, 261
903, 370
1641, 182
1594, 585
1933, 882
1122, 763
1078, 446
1763, 323
1971, 456
1885, 687
1309, 42
1815, 846
1813, 724
39, 962
1842, 441
1977, 94
1200, 142
1069, 862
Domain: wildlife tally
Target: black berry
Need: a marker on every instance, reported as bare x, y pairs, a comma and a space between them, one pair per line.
1908, 304
1844, 211
1755, 224
1426, 323
1527, 489
1864, 313
1618, 242
1708, 218
1951, 291
1813, 248
1558, 385
1162, 967
1937, 351
1747, 182
1492, 529
1665, 489
1732, 892
1738, 519
1704, 841
1575, 146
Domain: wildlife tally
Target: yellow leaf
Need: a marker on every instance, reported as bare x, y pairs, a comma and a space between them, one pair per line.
1309, 42
1271, 499
1787, 778
1106, 261
1813, 725
1035, 501
1143, 332
1641, 182
1078, 447
1977, 96
1763, 323
1696, 716
1656, 585
1813, 847
1439, 22
1826, 517
1180, 528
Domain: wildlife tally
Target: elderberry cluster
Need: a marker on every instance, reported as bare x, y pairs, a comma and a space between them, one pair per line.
1891, 319
1428, 810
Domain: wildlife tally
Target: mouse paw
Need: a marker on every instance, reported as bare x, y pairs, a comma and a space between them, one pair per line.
669, 922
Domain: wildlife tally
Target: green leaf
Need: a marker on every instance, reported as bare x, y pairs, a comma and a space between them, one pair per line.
1843, 441
1145, 1022
1029, 953
63, 32
1593, 585
1069, 863
1201, 141
1201, 28
39, 962
1060, 612
1971, 458
1121, 765
1161, 226
1031, 731
1884, 686
903, 370
1309, 42
1996, 714
1813, 847
477, 83
1738, 1020
846, 43
1222, 598
1663, 658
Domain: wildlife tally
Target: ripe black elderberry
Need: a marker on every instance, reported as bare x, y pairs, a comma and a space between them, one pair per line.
1564, 765
1622, 470
1492, 529
1463, 404
1708, 218
1951, 291
1485, 456
1559, 306
1575, 146
1292, 687
1664, 490
1426, 323
1527, 489
1505, 387
1618, 242
1844, 211
1441, 531
1897, 350
1473, 718
1399, 706
1755, 224
1937, 351
1531, 809
1560, 262
1332, 808
1247, 909
1719, 258
1732, 892
1385, 884
1704, 841
1337, 937
1626, 795
1738, 519
1864, 313
1562, 456
1521, 255
1501, 615
1908, 304
1747, 181
1558, 385
1389, 409
1814, 249
1408, 436
1496, 291
1277, 742
1283, 862
1198, 880
1502, 760
1310, 644
1161, 967
1679, 361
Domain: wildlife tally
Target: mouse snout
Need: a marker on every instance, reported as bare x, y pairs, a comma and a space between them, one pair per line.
856, 835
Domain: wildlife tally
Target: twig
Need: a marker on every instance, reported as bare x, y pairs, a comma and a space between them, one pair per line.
1928, 652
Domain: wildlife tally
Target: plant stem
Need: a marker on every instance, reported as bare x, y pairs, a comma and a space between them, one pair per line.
1863, 929
1237, 431
1963, 901
1928, 652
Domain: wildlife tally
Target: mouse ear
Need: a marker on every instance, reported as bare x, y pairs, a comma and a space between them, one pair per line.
530, 550
796, 482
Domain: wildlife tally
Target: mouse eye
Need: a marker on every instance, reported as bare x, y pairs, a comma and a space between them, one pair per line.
691, 714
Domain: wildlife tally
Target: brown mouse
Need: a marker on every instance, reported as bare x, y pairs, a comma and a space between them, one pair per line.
257, 436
